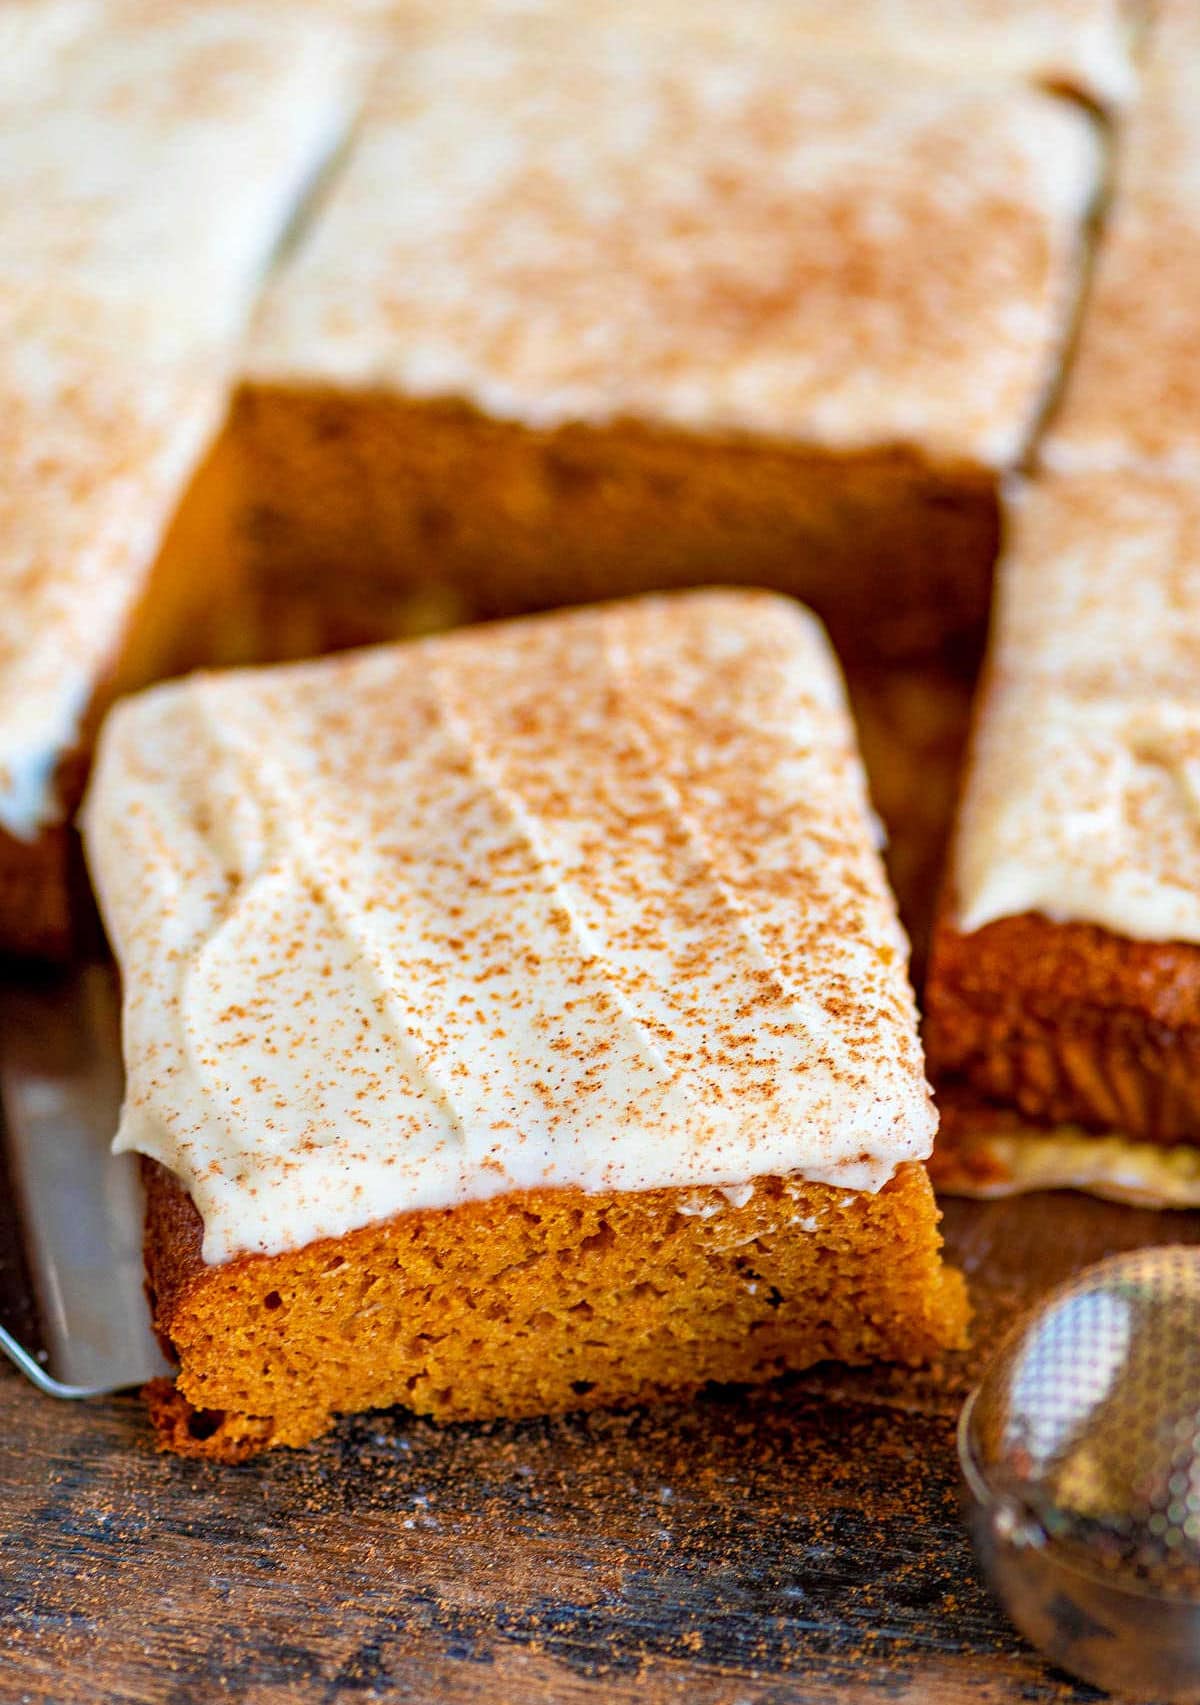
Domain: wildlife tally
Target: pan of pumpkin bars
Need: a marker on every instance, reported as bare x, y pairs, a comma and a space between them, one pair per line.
599, 827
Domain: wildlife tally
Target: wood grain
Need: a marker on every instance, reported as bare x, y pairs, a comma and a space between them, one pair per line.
797, 1544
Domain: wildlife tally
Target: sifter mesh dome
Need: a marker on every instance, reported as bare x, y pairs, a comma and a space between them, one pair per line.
1089, 1421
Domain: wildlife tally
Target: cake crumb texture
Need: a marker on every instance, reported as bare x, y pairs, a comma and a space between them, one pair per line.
539, 1302
361, 516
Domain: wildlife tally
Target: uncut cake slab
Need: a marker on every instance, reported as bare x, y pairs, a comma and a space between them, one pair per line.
620, 301
514, 1021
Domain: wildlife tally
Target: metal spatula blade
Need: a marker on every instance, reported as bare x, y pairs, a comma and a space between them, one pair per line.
73, 1312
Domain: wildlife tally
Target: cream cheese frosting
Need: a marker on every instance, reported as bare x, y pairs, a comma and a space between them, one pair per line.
715, 231
152, 157
1083, 45
1133, 391
33, 33
1083, 793
585, 900
1086, 46
91, 465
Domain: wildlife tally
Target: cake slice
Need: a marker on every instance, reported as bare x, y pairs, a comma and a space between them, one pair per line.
1065, 977
152, 157
1064, 991
607, 301
514, 1021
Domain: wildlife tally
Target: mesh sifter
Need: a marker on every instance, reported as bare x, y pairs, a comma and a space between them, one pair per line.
1081, 1451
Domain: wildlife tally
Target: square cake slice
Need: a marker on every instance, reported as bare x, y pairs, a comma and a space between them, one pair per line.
514, 1021
1065, 976
605, 303
152, 158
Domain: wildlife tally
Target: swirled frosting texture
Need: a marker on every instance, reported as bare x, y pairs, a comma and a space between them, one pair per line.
720, 232
152, 155
586, 900
1083, 795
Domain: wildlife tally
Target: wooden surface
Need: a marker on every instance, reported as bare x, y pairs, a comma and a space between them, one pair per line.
797, 1544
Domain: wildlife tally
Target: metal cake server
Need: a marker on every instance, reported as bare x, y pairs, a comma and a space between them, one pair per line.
73, 1311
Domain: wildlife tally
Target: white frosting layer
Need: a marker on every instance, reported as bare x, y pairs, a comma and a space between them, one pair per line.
1133, 393
1083, 799
1084, 45
587, 900
1083, 795
33, 33
92, 461
705, 227
151, 159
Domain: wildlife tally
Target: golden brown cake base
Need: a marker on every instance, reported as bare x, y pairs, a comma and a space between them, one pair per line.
1069, 1024
538, 1303
363, 516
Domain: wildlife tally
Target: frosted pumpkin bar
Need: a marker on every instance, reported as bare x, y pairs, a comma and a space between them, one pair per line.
514, 1021
607, 302
1065, 976
152, 157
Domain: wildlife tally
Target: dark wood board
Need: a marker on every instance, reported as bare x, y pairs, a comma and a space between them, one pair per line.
801, 1543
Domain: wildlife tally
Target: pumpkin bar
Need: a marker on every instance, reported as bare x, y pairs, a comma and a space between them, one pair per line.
1065, 976
152, 156
514, 1021
604, 301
